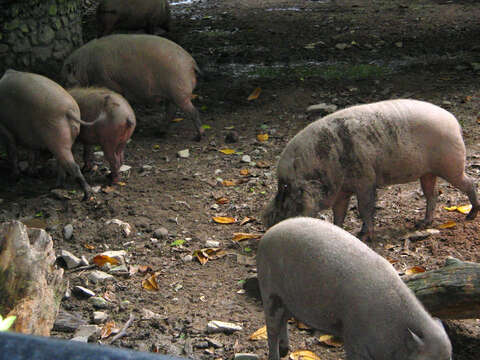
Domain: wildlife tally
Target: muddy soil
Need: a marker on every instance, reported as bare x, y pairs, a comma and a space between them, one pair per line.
298, 53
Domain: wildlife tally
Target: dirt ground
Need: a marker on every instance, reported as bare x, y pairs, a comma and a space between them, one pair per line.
298, 53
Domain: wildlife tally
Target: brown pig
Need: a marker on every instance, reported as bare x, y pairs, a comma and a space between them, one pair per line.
114, 125
132, 15
39, 114
143, 68
328, 279
356, 150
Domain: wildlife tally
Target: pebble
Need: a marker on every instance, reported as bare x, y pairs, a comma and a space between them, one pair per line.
246, 159
215, 207
70, 260
216, 326
147, 167
68, 231
124, 168
85, 332
96, 189
98, 302
160, 233
99, 277
187, 258
84, 261
218, 171
245, 356
119, 269
322, 108
68, 322
212, 244
99, 317
422, 234
185, 153
215, 343
81, 291
98, 155
202, 345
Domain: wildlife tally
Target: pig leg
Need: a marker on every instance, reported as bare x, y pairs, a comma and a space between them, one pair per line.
276, 318
466, 184
11, 144
340, 208
366, 208
68, 164
87, 157
170, 110
114, 158
428, 182
186, 105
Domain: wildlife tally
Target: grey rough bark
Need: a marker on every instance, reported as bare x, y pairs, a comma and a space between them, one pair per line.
30, 284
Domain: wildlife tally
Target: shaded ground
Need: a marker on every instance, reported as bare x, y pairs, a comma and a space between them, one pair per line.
292, 50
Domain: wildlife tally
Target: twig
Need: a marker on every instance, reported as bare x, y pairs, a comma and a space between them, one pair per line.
123, 331
80, 268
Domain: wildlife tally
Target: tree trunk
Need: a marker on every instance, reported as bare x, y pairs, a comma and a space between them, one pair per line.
30, 285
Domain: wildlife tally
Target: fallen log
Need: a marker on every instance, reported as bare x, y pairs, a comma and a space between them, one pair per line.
451, 292
30, 285
24, 347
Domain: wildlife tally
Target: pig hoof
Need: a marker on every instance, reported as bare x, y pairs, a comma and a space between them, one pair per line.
422, 224
283, 351
472, 214
365, 237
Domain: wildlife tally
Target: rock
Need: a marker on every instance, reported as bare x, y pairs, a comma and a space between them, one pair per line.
71, 261
99, 277
185, 153
126, 228
215, 207
99, 317
68, 321
118, 255
68, 231
187, 258
148, 314
216, 326
160, 233
96, 189
119, 269
85, 332
84, 261
82, 292
215, 343
212, 244
322, 108
124, 168
246, 356
202, 345
246, 159
98, 302
98, 155
422, 234
246, 260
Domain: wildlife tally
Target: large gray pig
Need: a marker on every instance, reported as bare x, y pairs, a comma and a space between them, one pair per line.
132, 15
356, 150
143, 68
114, 125
39, 114
330, 280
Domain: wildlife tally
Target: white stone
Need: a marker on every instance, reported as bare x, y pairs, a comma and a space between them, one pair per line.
98, 277
99, 317
185, 153
212, 244
216, 326
124, 168
70, 260
246, 159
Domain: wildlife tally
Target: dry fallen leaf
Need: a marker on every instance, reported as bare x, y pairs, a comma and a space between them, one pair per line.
222, 200
121, 183
303, 355
303, 326
107, 329
464, 209
227, 151
415, 270
150, 283
244, 236
262, 164
392, 261
255, 94
228, 183
177, 120
260, 334
262, 137
224, 220
88, 246
109, 296
108, 189
145, 268
447, 225
330, 340
101, 260
246, 220
244, 172
203, 255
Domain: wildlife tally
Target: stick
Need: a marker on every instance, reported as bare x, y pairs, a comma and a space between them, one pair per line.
123, 331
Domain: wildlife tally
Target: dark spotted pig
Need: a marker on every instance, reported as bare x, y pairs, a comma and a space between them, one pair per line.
325, 277
356, 150
132, 15
39, 114
143, 68
114, 125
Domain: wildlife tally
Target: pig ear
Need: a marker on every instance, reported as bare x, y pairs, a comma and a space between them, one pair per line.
414, 343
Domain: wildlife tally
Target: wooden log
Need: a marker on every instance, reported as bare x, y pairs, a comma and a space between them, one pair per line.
451, 292
30, 284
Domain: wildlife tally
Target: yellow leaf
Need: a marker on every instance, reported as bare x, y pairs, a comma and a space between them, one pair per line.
224, 220
246, 220
255, 94
244, 236
303, 355
447, 225
227, 151
88, 246
106, 329
450, 208
464, 209
228, 183
156, 146
150, 283
177, 119
260, 334
222, 200
203, 255
244, 172
101, 260
415, 270
262, 137
121, 183
330, 340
